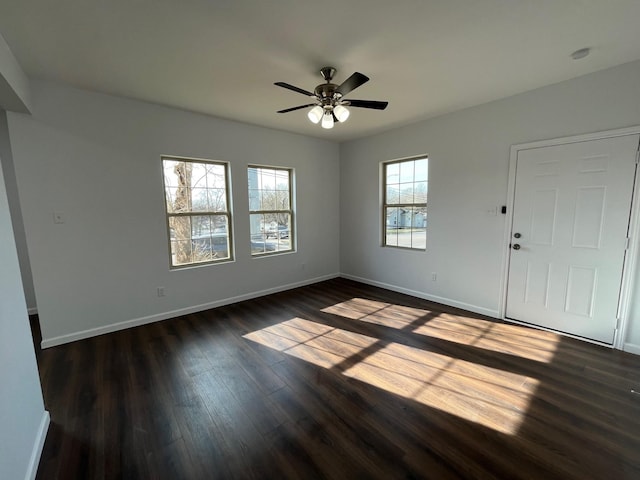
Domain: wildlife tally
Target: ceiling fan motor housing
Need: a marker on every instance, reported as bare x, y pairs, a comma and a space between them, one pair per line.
326, 93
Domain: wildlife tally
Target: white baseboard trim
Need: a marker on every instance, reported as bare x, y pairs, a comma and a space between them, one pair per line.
631, 348
34, 460
136, 322
433, 298
32, 310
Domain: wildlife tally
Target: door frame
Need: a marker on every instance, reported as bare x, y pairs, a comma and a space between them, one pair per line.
631, 258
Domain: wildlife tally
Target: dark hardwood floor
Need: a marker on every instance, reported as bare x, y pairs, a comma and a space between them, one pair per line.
338, 380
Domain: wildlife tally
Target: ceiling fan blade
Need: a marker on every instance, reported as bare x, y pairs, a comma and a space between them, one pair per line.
286, 110
351, 83
294, 88
367, 104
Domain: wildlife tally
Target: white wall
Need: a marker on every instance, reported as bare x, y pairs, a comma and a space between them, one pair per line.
96, 159
468, 175
23, 420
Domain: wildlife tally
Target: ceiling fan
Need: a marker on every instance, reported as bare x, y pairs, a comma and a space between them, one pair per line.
329, 104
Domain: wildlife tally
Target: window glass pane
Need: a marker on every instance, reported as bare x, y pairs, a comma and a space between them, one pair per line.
393, 194
406, 193
420, 192
177, 175
170, 195
200, 226
207, 175
422, 170
254, 199
182, 200
392, 238
269, 222
391, 230
259, 246
181, 252
217, 200
393, 173
220, 223
282, 180
180, 228
170, 177
418, 228
268, 179
282, 241
406, 171
419, 239
180, 234
199, 201
198, 174
256, 221
202, 250
282, 200
268, 200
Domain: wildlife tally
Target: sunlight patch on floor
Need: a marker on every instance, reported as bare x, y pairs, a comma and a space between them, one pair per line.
495, 398
380, 313
497, 337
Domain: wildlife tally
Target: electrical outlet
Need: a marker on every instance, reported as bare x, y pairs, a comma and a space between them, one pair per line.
161, 291
434, 277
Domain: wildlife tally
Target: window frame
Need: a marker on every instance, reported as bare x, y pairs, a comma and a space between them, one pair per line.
200, 213
290, 211
386, 205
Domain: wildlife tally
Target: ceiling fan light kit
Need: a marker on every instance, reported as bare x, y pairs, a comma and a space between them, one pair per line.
341, 113
315, 114
329, 105
327, 120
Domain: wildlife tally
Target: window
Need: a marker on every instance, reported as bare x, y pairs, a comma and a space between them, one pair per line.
198, 217
405, 203
270, 210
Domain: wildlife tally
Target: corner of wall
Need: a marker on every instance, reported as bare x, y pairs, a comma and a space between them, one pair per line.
38, 446
631, 348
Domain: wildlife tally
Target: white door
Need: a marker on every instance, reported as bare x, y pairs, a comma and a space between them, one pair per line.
570, 221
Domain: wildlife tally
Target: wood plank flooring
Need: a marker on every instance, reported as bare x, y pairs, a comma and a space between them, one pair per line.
338, 380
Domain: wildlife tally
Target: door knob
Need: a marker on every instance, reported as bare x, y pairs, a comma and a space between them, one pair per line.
515, 246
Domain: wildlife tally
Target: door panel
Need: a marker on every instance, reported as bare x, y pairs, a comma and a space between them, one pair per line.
581, 284
543, 216
571, 208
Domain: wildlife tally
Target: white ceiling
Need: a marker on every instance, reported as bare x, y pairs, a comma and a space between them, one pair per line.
221, 57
